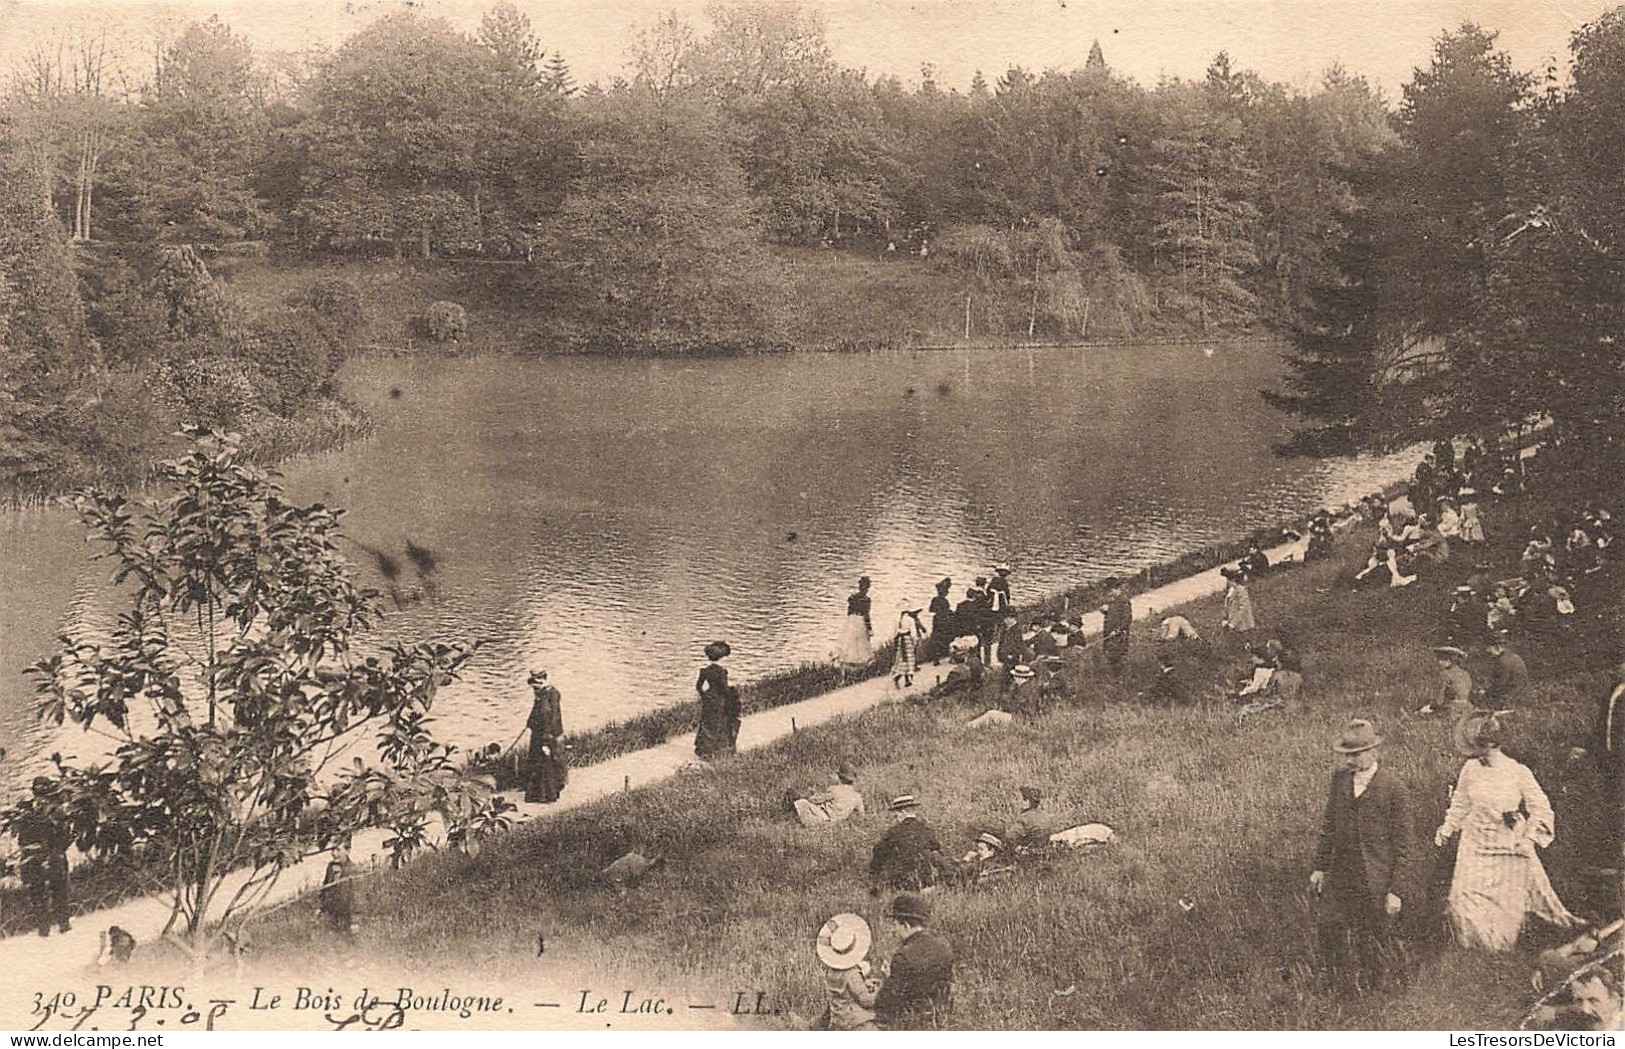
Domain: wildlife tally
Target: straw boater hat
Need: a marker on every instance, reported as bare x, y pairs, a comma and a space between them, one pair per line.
844, 941
1450, 650
1358, 735
1022, 672
1476, 729
903, 802
991, 840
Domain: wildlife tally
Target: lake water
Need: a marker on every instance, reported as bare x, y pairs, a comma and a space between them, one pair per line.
605, 519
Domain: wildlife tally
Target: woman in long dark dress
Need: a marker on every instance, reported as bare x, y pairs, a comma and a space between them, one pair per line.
942, 624
544, 770
719, 705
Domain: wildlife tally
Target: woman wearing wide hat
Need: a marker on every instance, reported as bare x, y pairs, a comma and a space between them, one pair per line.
545, 770
719, 705
853, 647
1502, 814
843, 948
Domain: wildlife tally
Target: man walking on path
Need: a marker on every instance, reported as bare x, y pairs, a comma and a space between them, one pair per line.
918, 988
42, 834
1361, 860
336, 901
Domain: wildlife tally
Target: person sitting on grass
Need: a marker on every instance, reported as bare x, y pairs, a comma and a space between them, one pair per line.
834, 803
1032, 826
1255, 563
909, 854
1455, 684
1509, 676
966, 672
917, 992
1021, 695
983, 863
843, 950
1053, 688
1430, 543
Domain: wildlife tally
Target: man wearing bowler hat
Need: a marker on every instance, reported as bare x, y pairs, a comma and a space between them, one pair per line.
917, 991
43, 836
1362, 860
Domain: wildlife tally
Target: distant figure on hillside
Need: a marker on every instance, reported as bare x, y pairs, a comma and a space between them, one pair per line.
917, 992
336, 900
854, 647
1320, 538
1472, 525
1509, 676
1032, 826
718, 732
1502, 815
1361, 861
544, 770
909, 855
1119, 621
1455, 684
1255, 563
834, 803
1239, 622
1176, 629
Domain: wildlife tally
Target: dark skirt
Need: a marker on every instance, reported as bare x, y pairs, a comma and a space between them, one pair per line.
717, 732
544, 770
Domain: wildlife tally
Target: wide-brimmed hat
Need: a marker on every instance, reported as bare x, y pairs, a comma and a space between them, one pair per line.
910, 905
1449, 650
46, 787
1359, 734
844, 941
991, 840
718, 650
903, 802
1476, 729
1031, 794
1022, 672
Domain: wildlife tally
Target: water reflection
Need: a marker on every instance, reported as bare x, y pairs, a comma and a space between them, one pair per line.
605, 519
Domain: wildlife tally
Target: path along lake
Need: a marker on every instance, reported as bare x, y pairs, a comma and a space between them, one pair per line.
606, 518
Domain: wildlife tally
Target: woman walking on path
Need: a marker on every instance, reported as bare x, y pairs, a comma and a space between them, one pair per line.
853, 647
544, 768
718, 732
942, 623
1502, 815
905, 659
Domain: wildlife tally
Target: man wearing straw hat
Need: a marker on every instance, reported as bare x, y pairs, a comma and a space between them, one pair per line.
908, 855
919, 980
1361, 860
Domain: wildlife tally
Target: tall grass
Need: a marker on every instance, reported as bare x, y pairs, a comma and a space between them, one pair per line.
1221, 814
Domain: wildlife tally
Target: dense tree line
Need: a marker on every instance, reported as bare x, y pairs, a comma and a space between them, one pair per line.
1423, 258
1478, 277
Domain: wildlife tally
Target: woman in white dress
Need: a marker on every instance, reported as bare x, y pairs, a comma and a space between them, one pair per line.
853, 647
1502, 815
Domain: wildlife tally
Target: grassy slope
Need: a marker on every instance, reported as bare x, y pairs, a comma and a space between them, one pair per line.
838, 300
1225, 816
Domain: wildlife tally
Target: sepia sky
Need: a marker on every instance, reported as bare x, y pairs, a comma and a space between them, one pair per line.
1291, 41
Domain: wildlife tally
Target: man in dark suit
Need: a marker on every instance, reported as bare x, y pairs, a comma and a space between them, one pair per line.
908, 855
1362, 861
917, 990
1119, 620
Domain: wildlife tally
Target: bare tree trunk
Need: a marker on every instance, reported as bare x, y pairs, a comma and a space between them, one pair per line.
423, 241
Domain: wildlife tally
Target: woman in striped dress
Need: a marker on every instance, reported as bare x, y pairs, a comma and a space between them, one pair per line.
1502, 815
905, 659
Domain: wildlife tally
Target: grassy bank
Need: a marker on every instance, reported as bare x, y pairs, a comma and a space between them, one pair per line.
1220, 814
835, 300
